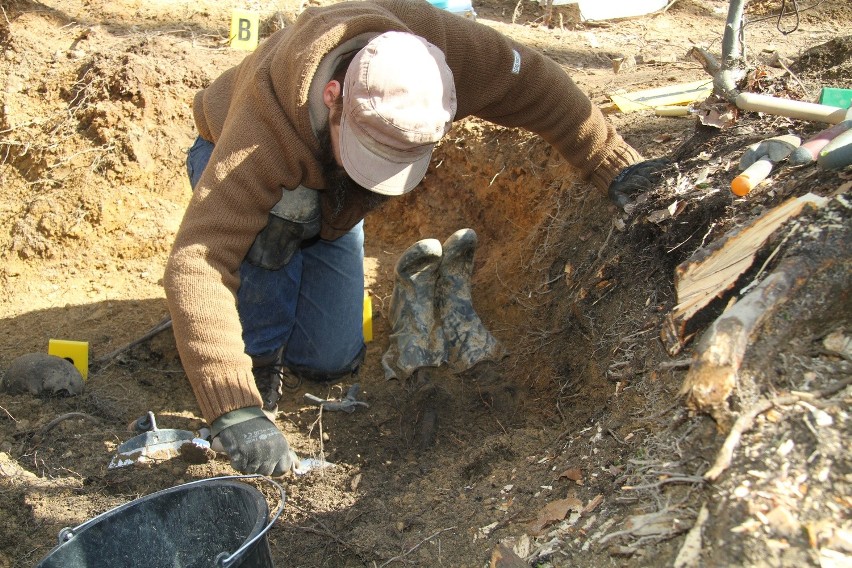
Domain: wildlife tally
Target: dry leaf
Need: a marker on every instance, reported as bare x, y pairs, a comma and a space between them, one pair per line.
555, 511
677, 208
659, 215
721, 116
574, 474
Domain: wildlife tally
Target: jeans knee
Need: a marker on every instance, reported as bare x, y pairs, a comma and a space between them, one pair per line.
335, 375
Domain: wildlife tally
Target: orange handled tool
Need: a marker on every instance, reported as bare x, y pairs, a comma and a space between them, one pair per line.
759, 159
753, 175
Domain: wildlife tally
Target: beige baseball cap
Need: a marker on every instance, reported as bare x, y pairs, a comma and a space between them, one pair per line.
399, 99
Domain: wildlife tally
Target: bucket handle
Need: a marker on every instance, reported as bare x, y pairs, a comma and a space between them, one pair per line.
223, 560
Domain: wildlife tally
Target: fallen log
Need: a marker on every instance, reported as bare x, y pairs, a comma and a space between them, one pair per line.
720, 352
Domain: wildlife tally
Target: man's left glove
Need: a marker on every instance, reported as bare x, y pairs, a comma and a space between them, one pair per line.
254, 443
635, 179
294, 219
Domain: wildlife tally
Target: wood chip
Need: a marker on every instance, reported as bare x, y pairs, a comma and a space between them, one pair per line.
592, 505
504, 557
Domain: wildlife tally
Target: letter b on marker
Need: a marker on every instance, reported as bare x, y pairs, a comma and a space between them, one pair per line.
243, 30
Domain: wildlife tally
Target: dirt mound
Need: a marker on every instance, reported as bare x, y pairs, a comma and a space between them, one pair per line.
829, 63
104, 121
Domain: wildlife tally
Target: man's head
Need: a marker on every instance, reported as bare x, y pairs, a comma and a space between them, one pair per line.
398, 101
344, 202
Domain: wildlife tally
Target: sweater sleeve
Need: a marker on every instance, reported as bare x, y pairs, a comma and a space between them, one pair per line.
538, 95
229, 206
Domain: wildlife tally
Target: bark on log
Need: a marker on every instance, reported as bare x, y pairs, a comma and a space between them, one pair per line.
718, 356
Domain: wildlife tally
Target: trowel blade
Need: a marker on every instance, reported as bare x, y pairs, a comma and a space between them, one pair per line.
156, 444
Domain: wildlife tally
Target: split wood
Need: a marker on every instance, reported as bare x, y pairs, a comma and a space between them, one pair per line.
745, 422
713, 270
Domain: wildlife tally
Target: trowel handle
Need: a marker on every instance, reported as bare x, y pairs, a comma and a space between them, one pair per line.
753, 175
809, 151
790, 108
146, 423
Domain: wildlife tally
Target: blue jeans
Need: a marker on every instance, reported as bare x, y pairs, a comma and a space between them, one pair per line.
313, 306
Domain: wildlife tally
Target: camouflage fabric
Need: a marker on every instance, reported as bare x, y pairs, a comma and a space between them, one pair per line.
431, 311
416, 338
468, 341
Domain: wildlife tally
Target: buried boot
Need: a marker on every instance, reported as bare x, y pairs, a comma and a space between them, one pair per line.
468, 341
268, 371
416, 338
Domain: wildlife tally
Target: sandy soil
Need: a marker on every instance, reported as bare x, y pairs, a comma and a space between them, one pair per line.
600, 462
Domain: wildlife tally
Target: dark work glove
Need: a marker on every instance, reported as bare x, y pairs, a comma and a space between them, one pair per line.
295, 218
258, 446
275, 244
635, 179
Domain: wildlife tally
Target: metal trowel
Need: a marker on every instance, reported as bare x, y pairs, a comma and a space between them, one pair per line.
152, 444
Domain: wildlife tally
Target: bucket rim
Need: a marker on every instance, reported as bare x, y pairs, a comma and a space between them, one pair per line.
224, 559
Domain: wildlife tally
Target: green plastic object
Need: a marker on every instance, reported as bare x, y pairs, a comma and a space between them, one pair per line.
831, 96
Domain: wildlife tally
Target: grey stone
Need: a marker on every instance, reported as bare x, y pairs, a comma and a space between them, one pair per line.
42, 374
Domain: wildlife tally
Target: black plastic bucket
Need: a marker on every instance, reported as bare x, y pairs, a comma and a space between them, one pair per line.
211, 522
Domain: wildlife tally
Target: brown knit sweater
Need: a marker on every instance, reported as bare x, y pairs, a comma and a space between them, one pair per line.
262, 116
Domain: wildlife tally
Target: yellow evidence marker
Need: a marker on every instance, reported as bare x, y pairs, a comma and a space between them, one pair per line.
75, 351
368, 318
245, 29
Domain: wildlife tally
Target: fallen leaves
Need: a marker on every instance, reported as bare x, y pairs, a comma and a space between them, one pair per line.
556, 511
553, 512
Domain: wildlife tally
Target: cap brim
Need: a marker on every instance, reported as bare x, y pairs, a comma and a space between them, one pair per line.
376, 173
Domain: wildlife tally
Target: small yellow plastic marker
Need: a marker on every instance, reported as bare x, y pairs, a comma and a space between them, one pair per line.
368, 318
75, 351
245, 29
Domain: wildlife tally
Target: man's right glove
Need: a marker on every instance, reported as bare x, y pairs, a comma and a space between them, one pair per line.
635, 179
254, 443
